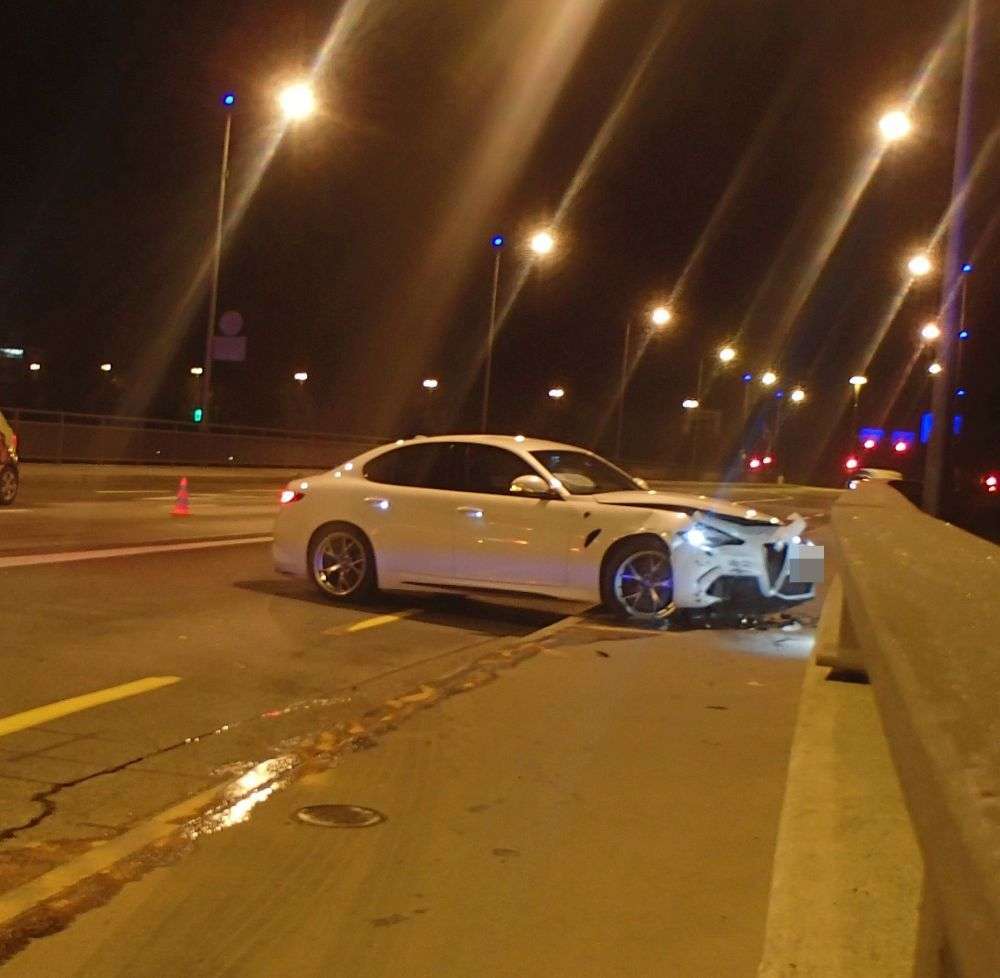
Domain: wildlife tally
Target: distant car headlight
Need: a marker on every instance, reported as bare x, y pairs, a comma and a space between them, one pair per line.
706, 537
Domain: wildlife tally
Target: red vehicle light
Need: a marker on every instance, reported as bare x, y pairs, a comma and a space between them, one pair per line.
290, 496
992, 482
900, 447
869, 443
767, 460
754, 463
851, 464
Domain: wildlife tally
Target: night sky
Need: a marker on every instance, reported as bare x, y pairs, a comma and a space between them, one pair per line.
362, 254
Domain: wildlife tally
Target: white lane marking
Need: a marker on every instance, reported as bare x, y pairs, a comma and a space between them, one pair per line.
29, 560
23, 509
108, 492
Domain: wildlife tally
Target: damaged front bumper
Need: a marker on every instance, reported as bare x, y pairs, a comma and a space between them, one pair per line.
748, 568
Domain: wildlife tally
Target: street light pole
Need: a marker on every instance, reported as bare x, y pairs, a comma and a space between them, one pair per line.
213, 302
497, 243
936, 461
962, 334
624, 383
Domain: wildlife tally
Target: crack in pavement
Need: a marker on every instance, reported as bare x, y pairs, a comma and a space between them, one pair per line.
46, 798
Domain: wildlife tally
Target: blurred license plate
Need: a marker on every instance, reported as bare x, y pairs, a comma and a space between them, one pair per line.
805, 563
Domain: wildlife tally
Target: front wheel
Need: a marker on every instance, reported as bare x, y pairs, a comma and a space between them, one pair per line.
8, 485
341, 563
637, 581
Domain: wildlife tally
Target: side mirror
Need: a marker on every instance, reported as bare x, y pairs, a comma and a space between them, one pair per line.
641, 483
531, 485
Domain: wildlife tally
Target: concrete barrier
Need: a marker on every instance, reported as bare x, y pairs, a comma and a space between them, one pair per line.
918, 612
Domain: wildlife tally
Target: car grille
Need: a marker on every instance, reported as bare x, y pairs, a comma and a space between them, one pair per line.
775, 560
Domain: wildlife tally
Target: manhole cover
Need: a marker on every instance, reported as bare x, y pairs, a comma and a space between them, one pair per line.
339, 816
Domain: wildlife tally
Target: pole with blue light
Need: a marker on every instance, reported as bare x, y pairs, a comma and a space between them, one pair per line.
228, 100
496, 243
936, 463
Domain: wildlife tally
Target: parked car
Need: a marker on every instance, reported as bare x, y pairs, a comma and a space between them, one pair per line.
510, 515
9, 472
873, 475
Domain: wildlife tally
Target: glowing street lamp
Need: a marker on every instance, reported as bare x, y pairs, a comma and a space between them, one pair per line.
768, 378
430, 384
930, 332
690, 403
301, 376
34, 367
557, 393
297, 101
727, 354
105, 368
895, 125
660, 316
542, 242
197, 371
919, 265
935, 368
797, 395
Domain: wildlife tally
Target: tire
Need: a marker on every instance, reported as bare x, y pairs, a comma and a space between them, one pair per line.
8, 485
629, 569
341, 563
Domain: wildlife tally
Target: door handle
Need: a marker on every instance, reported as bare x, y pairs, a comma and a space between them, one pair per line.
377, 502
473, 512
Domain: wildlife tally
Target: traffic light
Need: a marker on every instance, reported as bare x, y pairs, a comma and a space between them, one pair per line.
197, 414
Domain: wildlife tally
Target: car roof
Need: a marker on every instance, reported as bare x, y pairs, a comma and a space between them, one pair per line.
497, 441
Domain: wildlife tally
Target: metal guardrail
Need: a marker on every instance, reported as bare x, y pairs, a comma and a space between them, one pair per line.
61, 436
920, 614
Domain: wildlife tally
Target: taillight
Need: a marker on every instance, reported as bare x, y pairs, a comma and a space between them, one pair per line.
851, 464
290, 496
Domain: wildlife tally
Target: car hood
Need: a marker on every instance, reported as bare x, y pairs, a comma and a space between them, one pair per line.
682, 502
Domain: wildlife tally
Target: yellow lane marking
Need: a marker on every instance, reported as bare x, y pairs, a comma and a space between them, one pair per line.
366, 623
61, 708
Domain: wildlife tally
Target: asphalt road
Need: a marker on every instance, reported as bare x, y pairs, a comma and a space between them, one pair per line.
599, 801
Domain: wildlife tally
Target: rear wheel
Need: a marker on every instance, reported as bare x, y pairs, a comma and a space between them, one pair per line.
8, 485
637, 581
341, 563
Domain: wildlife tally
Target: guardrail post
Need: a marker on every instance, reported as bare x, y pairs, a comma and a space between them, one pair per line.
837, 644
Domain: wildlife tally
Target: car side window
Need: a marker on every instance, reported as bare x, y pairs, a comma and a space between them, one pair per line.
428, 466
492, 470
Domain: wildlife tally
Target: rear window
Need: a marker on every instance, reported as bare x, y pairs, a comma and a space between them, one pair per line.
427, 466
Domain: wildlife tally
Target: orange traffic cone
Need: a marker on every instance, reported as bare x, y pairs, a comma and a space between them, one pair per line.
183, 505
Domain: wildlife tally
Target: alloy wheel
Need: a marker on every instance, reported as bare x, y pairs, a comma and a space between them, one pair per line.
8, 486
644, 585
339, 564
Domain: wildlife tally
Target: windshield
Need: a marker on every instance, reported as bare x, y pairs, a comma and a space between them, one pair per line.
583, 474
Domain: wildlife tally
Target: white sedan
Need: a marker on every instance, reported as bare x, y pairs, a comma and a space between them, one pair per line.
498, 514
